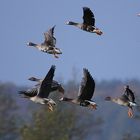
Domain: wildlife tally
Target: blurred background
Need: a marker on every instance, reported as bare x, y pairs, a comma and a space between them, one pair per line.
112, 59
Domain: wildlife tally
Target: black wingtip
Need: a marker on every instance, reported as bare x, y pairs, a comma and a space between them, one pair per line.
85, 8
85, 70
54, 26
88, 74
53, 67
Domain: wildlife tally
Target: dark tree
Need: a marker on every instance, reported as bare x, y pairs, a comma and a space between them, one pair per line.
8, 118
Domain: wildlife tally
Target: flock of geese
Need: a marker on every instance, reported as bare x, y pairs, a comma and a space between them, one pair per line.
41, 91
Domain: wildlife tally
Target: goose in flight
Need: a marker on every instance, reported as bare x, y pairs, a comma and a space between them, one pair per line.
48, 46
40, 94
86, 91
88, 22
55, 85
127, 99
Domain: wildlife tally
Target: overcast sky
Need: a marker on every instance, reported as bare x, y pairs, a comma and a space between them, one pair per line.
115, 54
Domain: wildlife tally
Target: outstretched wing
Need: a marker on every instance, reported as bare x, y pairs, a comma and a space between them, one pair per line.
124, 98
86, 89
129, 93
50, 40
57, 86
88, 16
45, 87
30, 92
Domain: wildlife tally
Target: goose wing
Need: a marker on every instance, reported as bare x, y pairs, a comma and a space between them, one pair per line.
88, 16
45, 87
30, 92
124, 98
86, 89
50, 40
57, 86
130, 94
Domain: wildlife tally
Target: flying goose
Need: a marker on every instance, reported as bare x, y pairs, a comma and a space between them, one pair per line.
48, 46
55, 85
88, 22
86, 91
127, 99
39, 94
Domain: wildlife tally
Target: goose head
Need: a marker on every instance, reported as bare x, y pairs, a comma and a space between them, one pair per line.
33, 79
71, 23
108, 98
31, 44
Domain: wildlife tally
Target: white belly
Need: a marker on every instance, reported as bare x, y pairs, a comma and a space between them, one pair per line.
37, 100
120, 102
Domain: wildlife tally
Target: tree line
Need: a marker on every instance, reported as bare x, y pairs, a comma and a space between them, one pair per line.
24, 120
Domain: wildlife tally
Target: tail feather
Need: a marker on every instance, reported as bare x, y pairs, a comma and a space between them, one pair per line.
21, 92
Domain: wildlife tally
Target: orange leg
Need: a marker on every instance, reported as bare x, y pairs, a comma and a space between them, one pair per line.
93, 106
55, 55
130, 113
50, 107
98, 32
